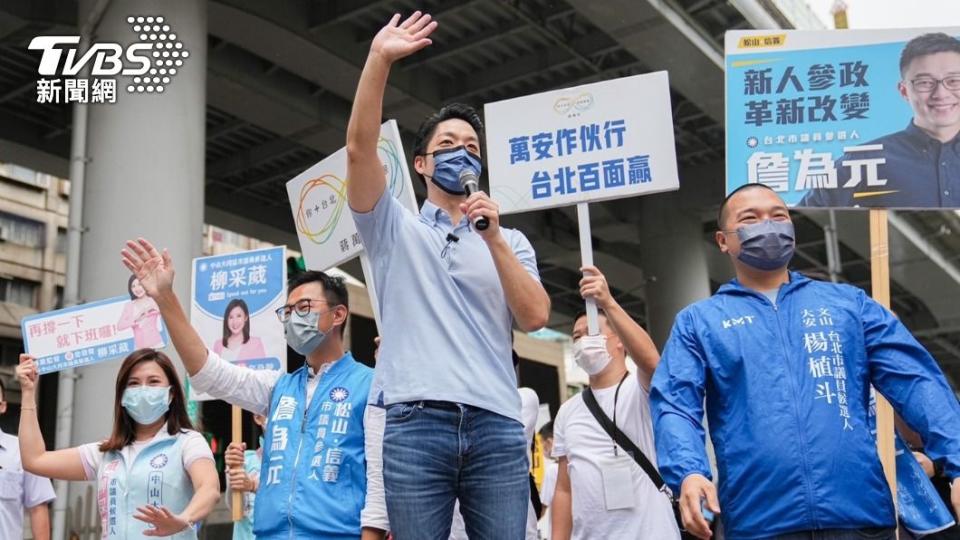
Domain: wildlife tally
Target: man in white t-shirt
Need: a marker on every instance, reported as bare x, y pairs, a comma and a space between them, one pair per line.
601, 492
549, 485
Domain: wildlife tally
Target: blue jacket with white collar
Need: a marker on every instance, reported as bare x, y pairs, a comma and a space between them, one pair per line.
787, 398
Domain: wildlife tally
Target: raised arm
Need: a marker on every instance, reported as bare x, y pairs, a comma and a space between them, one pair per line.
366, 181
58, 464
635, 339
247, 388
155, 272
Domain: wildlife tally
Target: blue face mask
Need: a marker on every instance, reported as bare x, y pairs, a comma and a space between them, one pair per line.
448, 164
767, 245
302, 333
146, 404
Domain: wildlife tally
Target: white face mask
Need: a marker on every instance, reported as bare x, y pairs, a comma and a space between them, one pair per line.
590, 353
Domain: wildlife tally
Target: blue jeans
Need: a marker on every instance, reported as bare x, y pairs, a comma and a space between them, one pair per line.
840, 534
437, 452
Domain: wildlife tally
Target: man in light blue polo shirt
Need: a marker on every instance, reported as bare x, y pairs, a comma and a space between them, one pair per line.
448, 297
21, 490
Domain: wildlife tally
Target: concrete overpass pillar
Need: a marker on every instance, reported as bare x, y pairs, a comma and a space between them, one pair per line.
671, 239
145, 174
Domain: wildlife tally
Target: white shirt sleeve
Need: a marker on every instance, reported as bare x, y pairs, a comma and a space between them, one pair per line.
90, 457
374, 513
559, 439
549, 486
37, 490
246, 388
529, 410
194, 447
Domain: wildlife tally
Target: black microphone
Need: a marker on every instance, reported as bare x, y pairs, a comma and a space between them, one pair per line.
452, 237
470, 184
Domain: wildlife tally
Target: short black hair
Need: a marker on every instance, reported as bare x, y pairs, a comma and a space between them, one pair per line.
334, 288
3, 390
721, 215
926, 44
452, 111
583, 313
546, 430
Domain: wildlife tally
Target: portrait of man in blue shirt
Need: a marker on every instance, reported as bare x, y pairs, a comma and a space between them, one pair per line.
918, 167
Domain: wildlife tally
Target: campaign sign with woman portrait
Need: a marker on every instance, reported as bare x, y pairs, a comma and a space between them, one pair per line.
857, 118
234, 299
89, 333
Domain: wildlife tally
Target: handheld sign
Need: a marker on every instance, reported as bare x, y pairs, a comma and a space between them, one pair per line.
844, 119
91, 333
595, 142
234, 300
235, 297
318, 200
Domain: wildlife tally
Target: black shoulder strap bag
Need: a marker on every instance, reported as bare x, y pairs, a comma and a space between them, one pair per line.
629, 447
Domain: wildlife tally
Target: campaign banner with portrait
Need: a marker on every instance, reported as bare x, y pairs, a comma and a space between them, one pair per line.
318, 200
91, 333
594, 142
844, 119
235, 297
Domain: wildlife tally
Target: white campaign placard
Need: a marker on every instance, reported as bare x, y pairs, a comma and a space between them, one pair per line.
318, 199
594, 142
235, 298
91, 333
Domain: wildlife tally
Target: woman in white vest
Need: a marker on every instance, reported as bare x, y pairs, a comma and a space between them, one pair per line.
155, 476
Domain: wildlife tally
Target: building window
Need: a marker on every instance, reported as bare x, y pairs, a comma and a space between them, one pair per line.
10, 350
61, 240
19, 291
58, 297
19, 230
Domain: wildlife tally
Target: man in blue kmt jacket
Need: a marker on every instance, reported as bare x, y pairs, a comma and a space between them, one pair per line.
786, 364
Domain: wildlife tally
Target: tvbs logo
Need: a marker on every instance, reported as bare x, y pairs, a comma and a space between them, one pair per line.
151, 62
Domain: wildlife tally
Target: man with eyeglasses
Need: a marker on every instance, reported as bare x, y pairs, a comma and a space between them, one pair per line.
922, 162
313, 482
